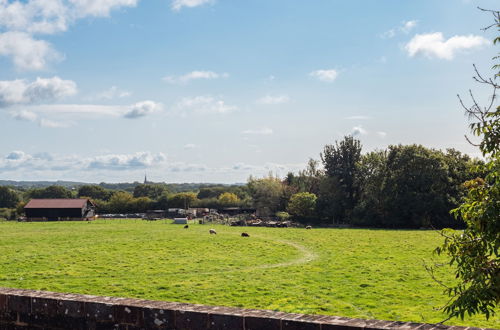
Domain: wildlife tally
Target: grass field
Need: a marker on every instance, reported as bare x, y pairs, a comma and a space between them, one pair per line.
347, 272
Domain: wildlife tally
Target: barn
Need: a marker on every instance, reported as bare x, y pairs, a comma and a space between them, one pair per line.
67, 209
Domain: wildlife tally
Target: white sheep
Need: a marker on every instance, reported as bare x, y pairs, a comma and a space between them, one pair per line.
212, 231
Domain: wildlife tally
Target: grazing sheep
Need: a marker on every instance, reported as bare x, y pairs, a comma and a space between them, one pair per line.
308, 227
186, 226
245, 235
212, 231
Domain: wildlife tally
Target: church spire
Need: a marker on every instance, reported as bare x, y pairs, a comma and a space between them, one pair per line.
145, 179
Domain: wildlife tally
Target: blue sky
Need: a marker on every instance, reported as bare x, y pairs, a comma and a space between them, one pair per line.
213, 91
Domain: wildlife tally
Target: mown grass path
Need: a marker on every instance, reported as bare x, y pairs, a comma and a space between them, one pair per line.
347, 272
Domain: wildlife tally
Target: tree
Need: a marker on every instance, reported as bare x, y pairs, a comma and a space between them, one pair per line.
50, 192
228, 199
121, 202
415, 188
302, 206
340, 163
8, 197
182, 200
475, 252
94, 192
153, 191
267, 194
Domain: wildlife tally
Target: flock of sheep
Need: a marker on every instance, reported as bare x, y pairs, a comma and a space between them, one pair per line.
213, 232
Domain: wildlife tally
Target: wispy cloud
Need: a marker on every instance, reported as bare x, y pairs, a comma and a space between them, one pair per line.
328, 75
405, 27
203, 105
194, 75
112, 93
258, 131
179, 4
273, 99
358, 130
434, 45
382, 134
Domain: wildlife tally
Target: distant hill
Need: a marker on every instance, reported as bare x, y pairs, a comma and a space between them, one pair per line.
126, 186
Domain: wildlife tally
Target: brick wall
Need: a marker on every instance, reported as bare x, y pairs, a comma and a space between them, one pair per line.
26, 309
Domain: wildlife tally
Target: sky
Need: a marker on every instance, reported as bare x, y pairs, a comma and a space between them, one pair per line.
218, 90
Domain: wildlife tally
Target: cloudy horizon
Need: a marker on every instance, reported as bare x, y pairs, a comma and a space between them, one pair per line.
214, 91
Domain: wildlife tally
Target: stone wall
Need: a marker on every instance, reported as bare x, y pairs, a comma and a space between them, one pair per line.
26, 309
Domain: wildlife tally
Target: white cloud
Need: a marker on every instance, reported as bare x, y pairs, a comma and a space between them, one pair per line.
83, 8
18, 91
190, 146
43, 122
408, 26
23, 19
25, 115
405, 27
276, 99
203, 105
34, 16
358, 130
112, 93
259, 131
382, 134
178, 4
142, 109
433, 45
126, 161
194, 75
325, 75
19, 160
26, 52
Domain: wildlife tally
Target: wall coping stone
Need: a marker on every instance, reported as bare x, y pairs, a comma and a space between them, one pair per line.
23, 309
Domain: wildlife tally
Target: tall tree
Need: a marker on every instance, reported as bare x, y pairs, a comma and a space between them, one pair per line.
475, 252
340, 162
8, 197
267, 194
94, 192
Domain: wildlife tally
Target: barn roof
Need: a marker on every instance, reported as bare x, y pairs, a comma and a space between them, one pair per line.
63, 203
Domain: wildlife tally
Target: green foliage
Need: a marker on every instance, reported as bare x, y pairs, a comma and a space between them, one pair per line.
8, 197
94, 192
341, 164
8, 213
50, 192
153, 191
228, 199
302, 206
121, 202
267, 194
182, 200
475, 252
283, 216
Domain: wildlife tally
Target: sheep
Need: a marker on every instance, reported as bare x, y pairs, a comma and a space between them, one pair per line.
186, 226
308, 227
245, 235
212, 231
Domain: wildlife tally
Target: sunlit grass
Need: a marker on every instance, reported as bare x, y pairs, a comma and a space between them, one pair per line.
348, 272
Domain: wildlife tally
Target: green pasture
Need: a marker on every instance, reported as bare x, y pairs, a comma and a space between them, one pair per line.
348, 272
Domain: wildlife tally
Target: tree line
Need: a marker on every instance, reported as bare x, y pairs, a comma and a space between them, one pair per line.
403, 186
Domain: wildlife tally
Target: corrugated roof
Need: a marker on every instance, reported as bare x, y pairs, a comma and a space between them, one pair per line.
66, 203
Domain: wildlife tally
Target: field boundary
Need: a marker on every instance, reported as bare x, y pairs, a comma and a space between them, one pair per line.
27, 309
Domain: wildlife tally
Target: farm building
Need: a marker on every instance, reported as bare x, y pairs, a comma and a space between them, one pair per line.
59, 209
